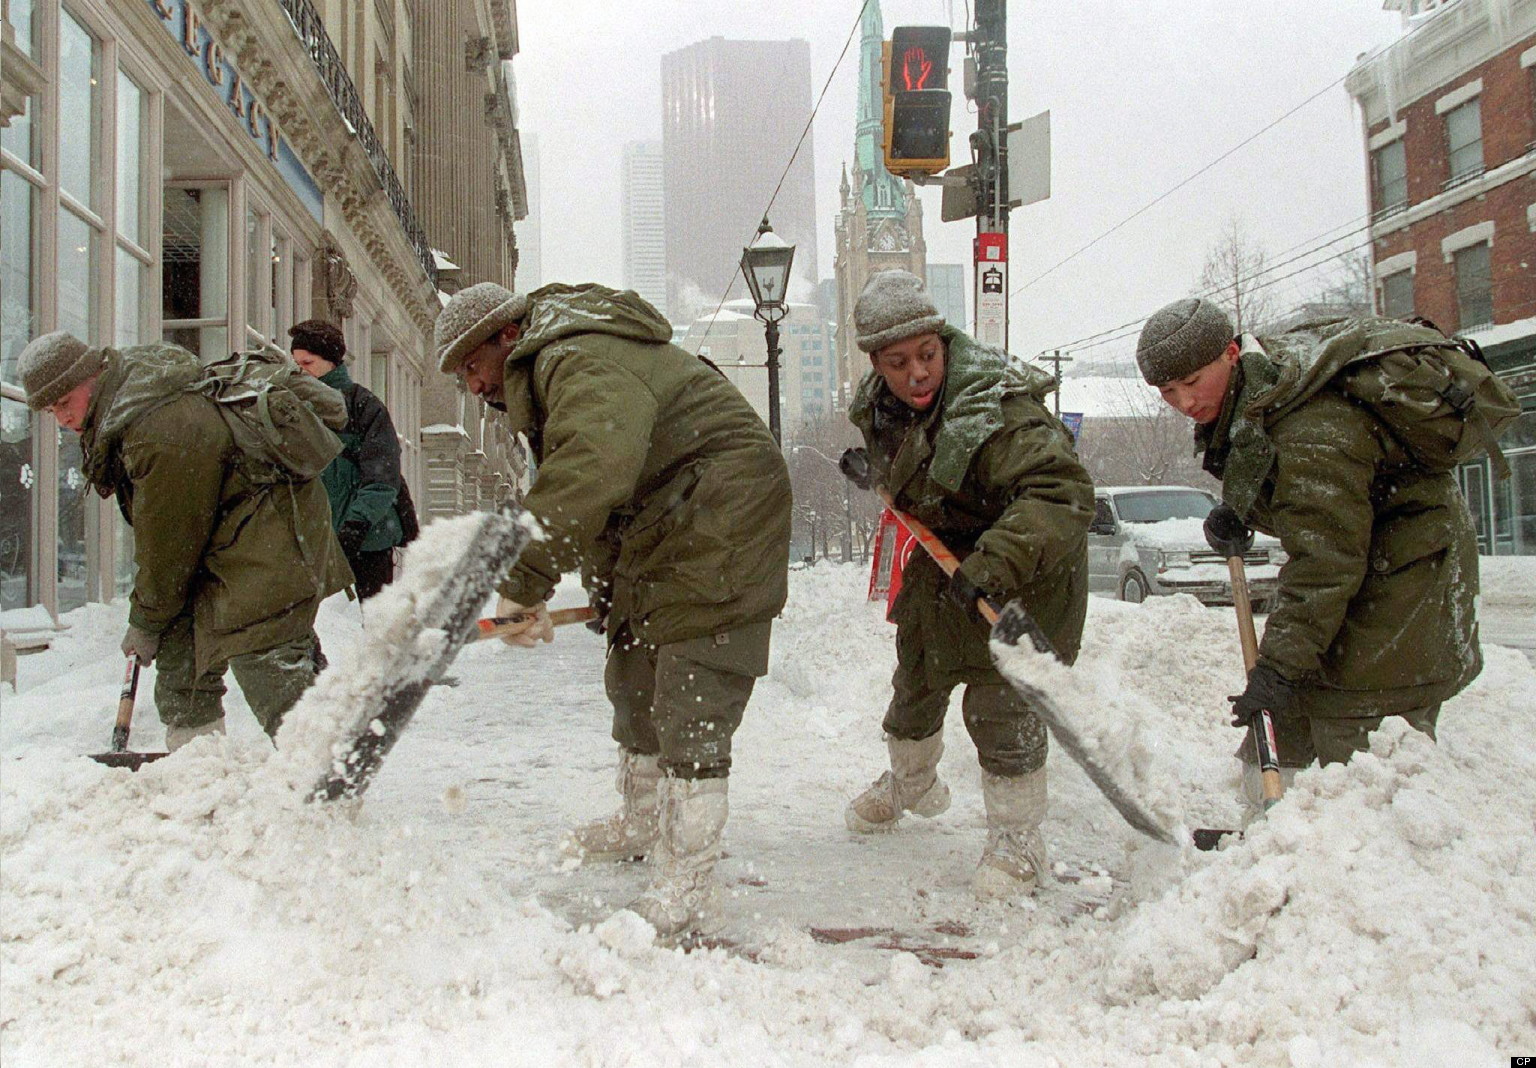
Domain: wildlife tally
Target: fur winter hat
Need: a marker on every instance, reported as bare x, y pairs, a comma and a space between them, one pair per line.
54, 364
1180, 339
470, 318
894, 306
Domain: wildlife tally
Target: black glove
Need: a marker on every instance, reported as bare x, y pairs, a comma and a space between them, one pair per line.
854, 465
1267, 690
1226, 533
966, 593
351, 536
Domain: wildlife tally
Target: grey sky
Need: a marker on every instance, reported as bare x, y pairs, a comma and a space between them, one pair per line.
1142, 95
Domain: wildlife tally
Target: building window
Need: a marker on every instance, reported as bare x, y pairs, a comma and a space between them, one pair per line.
1390, 169
1397, 295
1474, 287
1464, 137
195, 269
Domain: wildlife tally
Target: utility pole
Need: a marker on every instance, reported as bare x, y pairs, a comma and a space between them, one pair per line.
1058, 359
989, 144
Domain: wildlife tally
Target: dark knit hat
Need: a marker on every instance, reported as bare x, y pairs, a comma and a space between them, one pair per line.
54, 364
470, 318
894, 306
324, 339
1180, 339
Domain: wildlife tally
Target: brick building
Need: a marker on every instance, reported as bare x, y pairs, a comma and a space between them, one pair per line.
1449, 115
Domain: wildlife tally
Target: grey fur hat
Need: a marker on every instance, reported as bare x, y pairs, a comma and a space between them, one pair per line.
894, 306
54, 364
1180, 339
470, 318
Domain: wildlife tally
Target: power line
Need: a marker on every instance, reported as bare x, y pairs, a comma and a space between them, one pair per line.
859, 18
1247, 140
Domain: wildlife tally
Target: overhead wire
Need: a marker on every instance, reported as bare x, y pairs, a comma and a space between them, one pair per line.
859, 18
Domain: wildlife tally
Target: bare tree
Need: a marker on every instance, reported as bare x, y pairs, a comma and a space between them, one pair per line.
1233, 277
1148, 444
829, 512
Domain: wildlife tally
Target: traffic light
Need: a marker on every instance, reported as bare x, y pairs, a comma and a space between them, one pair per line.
916, 69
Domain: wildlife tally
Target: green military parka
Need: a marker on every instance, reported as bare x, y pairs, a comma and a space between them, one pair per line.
1376, 608
996, 477
655, 476
250, 559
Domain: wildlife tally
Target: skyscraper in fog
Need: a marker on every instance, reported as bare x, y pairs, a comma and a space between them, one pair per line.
644, 221
946, 285
732, 114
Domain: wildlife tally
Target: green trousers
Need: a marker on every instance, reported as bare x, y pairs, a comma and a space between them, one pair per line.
1010, 737
684, 700
272, 680
1303, 740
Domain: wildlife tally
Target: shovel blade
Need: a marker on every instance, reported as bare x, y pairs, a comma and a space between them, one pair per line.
131, 761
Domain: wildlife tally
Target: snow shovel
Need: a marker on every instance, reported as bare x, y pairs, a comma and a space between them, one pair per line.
1263, 725
410, 653
1008, 626
119, 756
495, 626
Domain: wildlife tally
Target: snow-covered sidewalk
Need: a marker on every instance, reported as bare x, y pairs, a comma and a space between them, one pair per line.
198, 912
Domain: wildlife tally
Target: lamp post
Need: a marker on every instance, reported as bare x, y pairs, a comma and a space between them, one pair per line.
765, 265
847, 500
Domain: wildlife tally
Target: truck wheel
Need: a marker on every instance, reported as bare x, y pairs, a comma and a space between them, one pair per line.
1133, 587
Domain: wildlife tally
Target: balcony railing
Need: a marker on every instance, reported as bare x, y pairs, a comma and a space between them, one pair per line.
311, 30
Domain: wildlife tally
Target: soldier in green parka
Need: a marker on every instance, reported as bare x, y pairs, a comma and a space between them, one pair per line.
231, 567
660, 483
1376, 612
958, 434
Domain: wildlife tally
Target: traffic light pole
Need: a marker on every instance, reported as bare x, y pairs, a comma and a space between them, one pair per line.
989, 38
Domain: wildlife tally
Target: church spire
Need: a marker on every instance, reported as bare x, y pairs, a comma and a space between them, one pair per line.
880, 188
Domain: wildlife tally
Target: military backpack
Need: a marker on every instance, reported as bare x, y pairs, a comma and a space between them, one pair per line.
281, 418
1435, 394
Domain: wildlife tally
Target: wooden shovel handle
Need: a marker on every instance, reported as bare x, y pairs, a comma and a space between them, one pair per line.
1263, 723
125, 699
495, 626
934, 548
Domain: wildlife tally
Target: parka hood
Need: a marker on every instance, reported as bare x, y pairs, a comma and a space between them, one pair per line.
133, 383
560, 311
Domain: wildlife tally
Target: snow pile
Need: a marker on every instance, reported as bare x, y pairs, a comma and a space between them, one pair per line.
199, 912
1508, 580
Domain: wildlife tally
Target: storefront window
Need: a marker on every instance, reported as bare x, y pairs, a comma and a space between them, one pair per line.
77, 277
17, 312
122, 581
19, 138
73, 498
130, 141
195, 269
79, 101
20, 13
128, 318
17, 476
378, 379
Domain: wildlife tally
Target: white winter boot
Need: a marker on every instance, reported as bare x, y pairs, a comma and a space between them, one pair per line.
1013, 861
683, 897
176, 737
912, 785
630, 832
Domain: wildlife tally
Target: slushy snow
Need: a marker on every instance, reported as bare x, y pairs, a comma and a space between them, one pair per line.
200, 912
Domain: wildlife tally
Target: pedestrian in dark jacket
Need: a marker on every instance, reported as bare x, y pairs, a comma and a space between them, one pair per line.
958, 434
661, 484
231, 566
1376, 612
363, 484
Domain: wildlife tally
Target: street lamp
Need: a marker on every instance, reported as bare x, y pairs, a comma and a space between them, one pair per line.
765, 265
847, 500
